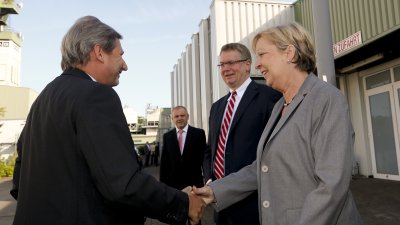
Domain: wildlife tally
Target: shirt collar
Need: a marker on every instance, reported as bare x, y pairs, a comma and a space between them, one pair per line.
242, 88
184, 129
91, 77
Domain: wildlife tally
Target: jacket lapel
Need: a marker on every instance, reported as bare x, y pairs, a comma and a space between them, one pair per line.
248, 96
187, 141
275, 115
174, 141
218, 121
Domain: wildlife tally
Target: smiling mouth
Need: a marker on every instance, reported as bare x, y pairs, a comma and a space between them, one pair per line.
229, 75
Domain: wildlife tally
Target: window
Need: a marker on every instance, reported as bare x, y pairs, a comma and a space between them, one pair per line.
378, 79
396, 72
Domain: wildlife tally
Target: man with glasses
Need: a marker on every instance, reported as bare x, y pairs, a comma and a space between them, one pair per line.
236, 123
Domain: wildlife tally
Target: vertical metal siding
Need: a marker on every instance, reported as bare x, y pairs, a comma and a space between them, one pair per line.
396, 8
181, 81
303, 14
373, 18
242, 18
205, 68
189, 81
196, 114
173, 87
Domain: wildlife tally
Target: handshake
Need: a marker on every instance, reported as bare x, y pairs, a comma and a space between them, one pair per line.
199, 198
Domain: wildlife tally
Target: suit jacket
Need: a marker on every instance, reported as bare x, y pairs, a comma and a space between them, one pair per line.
182, 170
77, 164
249, 120
304, 162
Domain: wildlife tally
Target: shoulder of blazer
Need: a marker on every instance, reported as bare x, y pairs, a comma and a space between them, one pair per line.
170, 133
219, 105
195, 129
222, 99
76, 73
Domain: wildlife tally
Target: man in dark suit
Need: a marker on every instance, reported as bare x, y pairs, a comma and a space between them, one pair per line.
181, 166
232, 144
76, 161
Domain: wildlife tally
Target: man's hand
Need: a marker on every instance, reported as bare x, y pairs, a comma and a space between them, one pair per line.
205, 193
187, 189
196, 207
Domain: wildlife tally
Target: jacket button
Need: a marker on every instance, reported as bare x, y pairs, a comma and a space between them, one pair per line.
264, 169
265, 204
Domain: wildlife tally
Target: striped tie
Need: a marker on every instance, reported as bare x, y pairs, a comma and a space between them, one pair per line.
219, 166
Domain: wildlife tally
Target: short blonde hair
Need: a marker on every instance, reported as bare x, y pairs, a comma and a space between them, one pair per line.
292, 34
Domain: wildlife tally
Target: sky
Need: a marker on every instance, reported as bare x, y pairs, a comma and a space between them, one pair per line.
155, 33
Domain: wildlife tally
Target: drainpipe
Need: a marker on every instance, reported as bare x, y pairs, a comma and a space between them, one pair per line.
323, 41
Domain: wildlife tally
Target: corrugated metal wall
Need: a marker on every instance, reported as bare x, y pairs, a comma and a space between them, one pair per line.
374, 18
196, 108
241, 18
205, 68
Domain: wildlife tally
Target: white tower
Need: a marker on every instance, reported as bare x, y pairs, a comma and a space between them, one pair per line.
10, 46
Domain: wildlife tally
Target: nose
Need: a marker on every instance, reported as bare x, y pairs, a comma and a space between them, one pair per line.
257, 64
124, 66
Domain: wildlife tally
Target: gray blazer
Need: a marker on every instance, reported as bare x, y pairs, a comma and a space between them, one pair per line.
304, 162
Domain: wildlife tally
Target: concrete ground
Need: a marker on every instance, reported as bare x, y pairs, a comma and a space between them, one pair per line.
378, 201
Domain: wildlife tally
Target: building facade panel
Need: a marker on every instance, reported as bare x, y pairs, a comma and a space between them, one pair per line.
189, 81
196, 97
182, 77
205, 72
182, 80
10, 62
173, 87
373, 18
17, 101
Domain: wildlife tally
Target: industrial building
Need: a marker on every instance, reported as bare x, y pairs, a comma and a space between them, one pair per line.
15, 101
366, 58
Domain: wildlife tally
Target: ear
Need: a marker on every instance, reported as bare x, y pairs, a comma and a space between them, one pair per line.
291, 52
98, 53
248, 63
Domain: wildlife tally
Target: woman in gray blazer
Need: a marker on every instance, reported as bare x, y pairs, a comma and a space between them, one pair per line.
304, 156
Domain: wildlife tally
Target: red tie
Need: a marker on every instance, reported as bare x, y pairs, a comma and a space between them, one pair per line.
180, 140
219, 165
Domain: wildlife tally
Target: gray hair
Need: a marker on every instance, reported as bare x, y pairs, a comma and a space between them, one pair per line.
242, 49
179, 107
81, 38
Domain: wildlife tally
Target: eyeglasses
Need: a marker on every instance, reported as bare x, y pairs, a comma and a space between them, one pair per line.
231, 63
